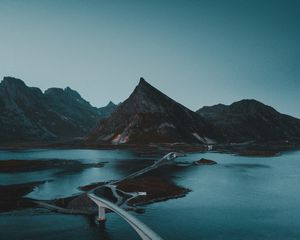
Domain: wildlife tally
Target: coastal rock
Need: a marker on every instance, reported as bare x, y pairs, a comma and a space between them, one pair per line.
204, 161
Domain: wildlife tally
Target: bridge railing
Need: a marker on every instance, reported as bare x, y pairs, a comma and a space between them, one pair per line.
143, 230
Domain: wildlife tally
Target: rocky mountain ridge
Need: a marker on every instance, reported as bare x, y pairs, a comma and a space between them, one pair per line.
251, 120
28, 114
148, 116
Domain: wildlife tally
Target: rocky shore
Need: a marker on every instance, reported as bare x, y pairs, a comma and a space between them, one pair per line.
12, 196
245, 149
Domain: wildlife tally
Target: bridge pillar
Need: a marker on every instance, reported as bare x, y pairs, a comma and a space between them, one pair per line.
101, 214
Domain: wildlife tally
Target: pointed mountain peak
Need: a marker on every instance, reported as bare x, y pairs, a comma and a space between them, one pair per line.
142, 81
146, 98
67, 89
145, 87
72, 92
149, 115
111, 104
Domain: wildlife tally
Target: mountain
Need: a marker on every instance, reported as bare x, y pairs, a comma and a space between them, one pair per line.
107, 110
147, 116
250, 120
28, 114
68, 104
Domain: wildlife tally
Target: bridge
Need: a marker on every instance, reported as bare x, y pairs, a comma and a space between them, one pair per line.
104, 203
142, 230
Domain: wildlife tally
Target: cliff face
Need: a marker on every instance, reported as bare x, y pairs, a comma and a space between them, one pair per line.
28, 114
148, 115
250, 120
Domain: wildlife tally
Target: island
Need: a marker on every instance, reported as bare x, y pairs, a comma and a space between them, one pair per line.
204, 161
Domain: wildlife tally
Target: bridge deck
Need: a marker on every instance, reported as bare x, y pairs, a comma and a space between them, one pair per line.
144, 231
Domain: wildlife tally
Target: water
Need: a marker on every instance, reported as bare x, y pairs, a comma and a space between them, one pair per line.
240, 198
61, 183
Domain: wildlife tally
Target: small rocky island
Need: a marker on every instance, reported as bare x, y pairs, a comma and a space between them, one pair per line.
204, 161
13, 166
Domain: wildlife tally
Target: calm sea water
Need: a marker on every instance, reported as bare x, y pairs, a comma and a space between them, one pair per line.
240, 198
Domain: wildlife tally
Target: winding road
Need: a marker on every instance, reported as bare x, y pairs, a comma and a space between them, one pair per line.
103, 203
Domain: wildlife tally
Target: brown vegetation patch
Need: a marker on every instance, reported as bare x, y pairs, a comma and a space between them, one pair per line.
157, 189
11, 196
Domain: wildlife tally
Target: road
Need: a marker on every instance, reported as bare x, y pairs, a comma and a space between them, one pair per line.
143, 231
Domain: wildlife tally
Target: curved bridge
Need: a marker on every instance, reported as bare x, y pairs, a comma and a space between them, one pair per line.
142, 230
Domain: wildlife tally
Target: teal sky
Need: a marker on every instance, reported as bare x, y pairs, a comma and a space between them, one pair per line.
198, 52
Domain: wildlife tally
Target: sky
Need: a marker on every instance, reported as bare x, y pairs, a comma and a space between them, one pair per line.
199, 52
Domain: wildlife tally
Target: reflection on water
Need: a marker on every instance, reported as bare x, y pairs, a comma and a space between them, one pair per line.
65, 183
247, 165
27, 225
239, 198
85, 155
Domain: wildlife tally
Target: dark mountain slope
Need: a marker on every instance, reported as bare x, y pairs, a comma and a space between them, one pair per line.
107, 110
250, 120
148, 115
27, 114
73, 109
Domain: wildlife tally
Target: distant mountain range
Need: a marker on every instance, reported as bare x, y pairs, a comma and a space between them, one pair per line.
147, 116
250, 120
28, 114
107, 110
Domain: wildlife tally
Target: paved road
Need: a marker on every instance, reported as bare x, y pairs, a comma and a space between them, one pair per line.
143, 231
167, 159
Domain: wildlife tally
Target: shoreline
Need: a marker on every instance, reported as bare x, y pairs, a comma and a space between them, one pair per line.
267, 149
152, 184
12, 196
15, 166
157, 190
